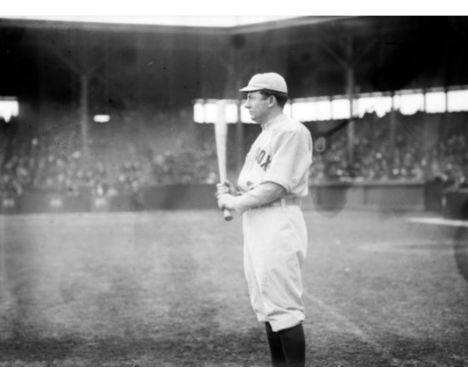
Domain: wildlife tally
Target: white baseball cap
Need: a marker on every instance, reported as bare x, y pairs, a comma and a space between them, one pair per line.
266, 81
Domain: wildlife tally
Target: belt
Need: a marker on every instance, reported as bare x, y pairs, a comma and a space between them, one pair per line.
283, 202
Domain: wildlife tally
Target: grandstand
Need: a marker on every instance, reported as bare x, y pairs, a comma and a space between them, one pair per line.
105, 113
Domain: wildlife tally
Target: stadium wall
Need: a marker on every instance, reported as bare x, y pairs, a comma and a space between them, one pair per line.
332, 197
382, 196
455, 202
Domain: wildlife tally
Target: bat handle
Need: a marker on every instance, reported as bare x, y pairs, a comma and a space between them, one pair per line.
227, 215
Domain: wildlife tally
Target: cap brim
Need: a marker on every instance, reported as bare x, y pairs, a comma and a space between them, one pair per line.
249, 89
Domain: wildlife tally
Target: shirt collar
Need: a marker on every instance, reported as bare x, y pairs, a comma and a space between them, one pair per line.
274, 121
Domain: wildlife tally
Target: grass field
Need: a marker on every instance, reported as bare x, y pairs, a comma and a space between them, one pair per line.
167, 289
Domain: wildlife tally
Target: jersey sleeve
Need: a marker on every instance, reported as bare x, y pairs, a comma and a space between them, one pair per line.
291, 159
263, 194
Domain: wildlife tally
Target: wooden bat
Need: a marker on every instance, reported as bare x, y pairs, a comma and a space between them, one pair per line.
221, 130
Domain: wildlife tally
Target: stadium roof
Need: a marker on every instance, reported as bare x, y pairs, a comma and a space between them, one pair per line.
200, 21
388, 53
195, 24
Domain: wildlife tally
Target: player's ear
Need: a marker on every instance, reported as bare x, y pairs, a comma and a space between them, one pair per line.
272, 100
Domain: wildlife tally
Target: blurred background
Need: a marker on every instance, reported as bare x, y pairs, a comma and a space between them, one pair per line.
113, 114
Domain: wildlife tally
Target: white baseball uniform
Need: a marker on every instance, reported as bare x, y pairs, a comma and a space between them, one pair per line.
275, 236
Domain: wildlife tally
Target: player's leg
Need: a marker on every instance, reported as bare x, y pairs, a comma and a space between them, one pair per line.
276, 347
293, 343
274, 271
281, 286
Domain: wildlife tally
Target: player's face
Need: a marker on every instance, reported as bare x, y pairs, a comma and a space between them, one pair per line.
257, 105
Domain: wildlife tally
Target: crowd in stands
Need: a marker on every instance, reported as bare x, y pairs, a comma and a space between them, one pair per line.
47, 163
378, 156
189, 166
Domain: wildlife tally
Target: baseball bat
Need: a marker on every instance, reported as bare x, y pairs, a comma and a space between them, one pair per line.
221, 140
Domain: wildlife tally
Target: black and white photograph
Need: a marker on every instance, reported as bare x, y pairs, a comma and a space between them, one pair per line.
233, 190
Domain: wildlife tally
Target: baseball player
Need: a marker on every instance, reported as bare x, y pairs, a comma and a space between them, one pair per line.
271, 184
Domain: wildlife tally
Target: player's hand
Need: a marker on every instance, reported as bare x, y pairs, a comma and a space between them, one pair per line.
221, 188
227, 201
225, 188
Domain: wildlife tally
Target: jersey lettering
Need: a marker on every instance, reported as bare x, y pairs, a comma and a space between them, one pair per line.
259, 159
260, 155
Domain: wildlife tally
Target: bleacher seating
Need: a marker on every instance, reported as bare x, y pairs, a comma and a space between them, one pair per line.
409, 155
124, 158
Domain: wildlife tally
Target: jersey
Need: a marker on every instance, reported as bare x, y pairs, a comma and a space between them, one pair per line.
282, 153
275, 237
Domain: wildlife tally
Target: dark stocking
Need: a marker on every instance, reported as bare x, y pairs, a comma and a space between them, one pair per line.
287, 347
276, 349
293, 342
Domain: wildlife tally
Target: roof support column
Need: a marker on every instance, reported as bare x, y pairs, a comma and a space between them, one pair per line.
350, 89
84, 123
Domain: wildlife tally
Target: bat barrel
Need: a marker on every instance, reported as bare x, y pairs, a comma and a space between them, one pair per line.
221, 137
